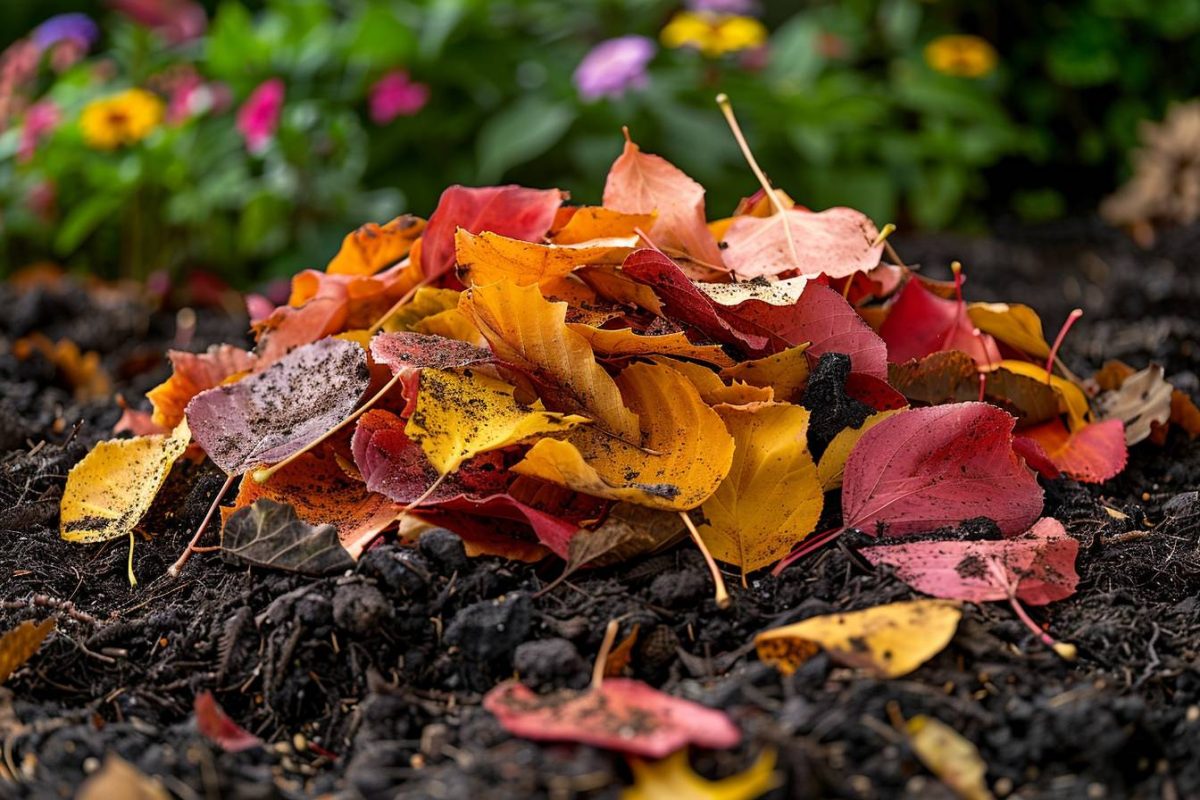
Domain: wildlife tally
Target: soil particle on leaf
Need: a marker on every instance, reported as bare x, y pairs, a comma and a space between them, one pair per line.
831, 409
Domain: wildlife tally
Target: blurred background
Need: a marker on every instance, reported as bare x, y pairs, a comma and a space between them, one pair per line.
243, 139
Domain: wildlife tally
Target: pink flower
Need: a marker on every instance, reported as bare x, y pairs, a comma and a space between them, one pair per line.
258, 117
395, 95
40, 120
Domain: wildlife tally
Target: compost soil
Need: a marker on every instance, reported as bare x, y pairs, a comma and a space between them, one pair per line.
369, 684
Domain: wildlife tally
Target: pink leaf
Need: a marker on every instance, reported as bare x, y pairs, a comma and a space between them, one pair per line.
216, 726
405, 351
1039, 564
931, 467
1092, 454
512, 211
837, 242
1036, 457
920, 323
621, 714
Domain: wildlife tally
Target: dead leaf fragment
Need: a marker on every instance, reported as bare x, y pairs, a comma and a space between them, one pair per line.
269, 534
948, 755
117, 779
19, 644
672, 777
219, 728
1142, 401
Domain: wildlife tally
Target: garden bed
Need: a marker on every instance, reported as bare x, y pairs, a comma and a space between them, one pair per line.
371, 682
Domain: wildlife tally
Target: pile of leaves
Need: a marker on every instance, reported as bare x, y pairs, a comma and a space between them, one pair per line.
592, 383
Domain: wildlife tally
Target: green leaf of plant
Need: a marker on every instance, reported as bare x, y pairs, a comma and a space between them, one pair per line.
524, 131
269, 534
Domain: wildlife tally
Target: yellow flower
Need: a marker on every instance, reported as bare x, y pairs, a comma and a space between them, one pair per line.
961, 55
713, 34
120, 119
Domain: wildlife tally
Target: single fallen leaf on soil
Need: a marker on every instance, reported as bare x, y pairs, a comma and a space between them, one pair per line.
269, 534
833, 460
1142, 401
1039, 563
952, 376
1013, 324
268, 416
371, 247
620, 714
110, 490
929, 467
1072, 400
884, 641
488, 257
117, 779
623, 342
512, 211
1092, 454
836, 242
323, 494
641, 183
530, 333
691, 450
193, 373
771, 498
597, 222
458, 416
785, 372
20, 643
948, 755
216, 726
672, 777
919, 323
82, 371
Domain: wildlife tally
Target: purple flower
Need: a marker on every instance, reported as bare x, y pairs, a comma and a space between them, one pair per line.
258, 117
396, 95
613, 66
739, 7
77, 28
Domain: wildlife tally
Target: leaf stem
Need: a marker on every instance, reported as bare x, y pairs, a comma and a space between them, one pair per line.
610, 636
132, 577
1058, 340
722, 595
177, 567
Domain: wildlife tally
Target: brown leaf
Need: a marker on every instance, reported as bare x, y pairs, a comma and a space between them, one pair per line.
20, 643
269, 534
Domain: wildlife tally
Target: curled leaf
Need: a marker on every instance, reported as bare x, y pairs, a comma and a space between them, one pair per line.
216, 726
597, 222
1092, 454
269, 534
371, 247
20, 643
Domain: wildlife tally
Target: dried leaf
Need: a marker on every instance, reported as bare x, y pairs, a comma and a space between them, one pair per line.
117, 779
714, 391
1142, 401
1071, 399
20, 643
425, 303
372, 247
624, 342
836, 242
949, 756
597, 222
82, 371
627, 532
269, 534
785, 372
216, 726
110, 490
193, 373
951, 376
1092, 454
833, 461
777, 293
488, 257
885, 641
673, 777
401, 352
1016, 325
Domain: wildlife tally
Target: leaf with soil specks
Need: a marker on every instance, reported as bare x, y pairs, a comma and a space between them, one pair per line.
110, 490
673, 777
620, 714
19, 644
628, 531
193, 373
266, 417
408, 351
269, 534
216, 726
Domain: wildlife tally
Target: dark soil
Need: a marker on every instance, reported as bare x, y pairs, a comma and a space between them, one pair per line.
369, 684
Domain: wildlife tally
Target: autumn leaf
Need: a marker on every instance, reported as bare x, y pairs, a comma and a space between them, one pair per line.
269, 534
628, 531
833, 461
20, 643
885, 641
597, 222
713, 389
685, 452
1141, 402
117, 778
110, 490
1071, 399
264, 418
785, 372
426, 302
775, 293
673, 777
919, 323
952, 376
948, 755
929, 467
836, 242
624, 342
620, 714
613, 285
403, 352
1092, 454
81, 370
772, 496
193, 373
530, 333
216, 726
371, 247
488, 257
1013, 324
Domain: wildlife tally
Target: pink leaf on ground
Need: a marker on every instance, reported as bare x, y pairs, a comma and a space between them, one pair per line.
621, 714
919, 323
1092, 454
404, 351
216, 726
837, 242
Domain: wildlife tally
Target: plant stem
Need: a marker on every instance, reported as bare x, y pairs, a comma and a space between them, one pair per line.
177, 567
610, 636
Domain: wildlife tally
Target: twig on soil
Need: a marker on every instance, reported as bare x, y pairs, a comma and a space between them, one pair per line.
722, 595
610, 636
177, 567
46, 601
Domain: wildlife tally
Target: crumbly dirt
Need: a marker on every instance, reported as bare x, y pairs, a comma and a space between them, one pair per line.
368, 684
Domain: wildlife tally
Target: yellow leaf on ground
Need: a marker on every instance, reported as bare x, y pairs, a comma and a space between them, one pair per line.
19, 644
786, 372
833, 460
624, 342
531, 333
885, 641
686, 454
110, 490
1073, 402
372, 247
714, 391
1018, 326
460, 416
948, 755
425, 303
672, 777
598, 222
489, 257
771, 498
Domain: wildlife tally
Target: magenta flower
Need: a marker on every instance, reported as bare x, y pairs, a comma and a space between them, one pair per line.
396, 95
613, 66
40, 119
258, 117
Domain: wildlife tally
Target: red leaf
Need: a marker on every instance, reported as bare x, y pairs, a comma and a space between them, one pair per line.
1039, 564
920, 323
218, 728
621, 714
876, 393
405, 351
930, 467
1036, 457
837, 242
512, 211
1092, 454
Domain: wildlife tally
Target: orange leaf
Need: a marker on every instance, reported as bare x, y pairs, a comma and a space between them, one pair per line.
195, 373
489, 257
372, 247
837, 242
598, 222
1092, 454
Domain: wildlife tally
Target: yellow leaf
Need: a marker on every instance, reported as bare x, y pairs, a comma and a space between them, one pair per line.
117, 779
672, 777
19, 644
452, 324
948, 755
624, 342
687, 449
372, 247
531, 333
833, 460
489, 257
714, 391
1073, 402
459, 416
110, 490
425, 303
612, 284
786, 372
885, 641
1016, 325
598, 222
771, 498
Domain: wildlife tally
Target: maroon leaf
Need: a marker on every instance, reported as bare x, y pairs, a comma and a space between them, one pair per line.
216, 726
